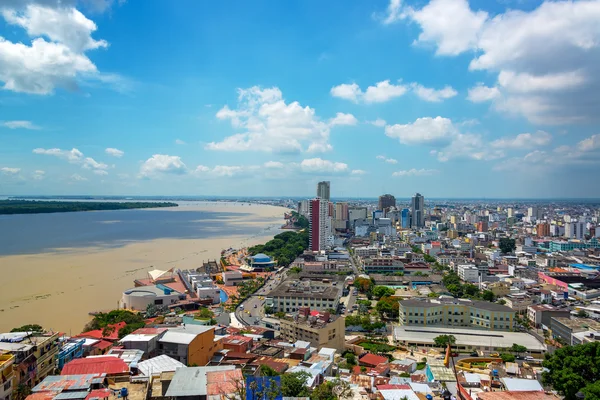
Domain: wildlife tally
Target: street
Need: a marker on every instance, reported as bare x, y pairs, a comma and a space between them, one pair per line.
253, 309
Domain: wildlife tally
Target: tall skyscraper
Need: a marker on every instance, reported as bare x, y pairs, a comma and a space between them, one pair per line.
405, 218
417, 211
319, 228
574, 230
386, 201
341, 211
543, 229
323, 190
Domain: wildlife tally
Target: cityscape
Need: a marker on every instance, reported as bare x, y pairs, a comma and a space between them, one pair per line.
299, 200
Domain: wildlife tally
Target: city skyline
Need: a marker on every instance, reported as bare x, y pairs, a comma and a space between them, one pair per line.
268, 99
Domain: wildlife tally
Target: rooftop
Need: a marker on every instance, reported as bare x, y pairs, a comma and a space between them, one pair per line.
109, 365
484, 305
158, 365
468, 337
193, 381
522, 395
306, 289
184, 334
58, 383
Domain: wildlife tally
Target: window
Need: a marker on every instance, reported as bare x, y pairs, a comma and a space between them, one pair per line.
158, 301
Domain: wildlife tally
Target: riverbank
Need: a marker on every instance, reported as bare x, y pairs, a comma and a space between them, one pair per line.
57, 289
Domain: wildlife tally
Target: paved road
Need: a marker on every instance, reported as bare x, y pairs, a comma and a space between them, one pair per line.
254, 307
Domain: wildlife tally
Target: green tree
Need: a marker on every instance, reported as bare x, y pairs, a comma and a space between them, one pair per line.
443, 340
470, 290
582, 314
29, 328
507, 357
507, 245
502, 302
382, 291
428, 258
571, 369
517, 348
592, 391
350, 358
488, 295
388, 306
294, 384
265, 370
21, 391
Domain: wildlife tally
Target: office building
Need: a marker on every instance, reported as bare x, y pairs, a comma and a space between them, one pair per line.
565, 328
417, 211
482, 226
320, 329
574, 230
318, 224
456, 313
355, 213
541, 314
535, 213
405, 218
323, 190
341, 211
510, 212
382, 265
291, 295
386, 202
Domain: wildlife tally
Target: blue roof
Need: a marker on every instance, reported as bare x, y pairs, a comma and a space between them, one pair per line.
260, 257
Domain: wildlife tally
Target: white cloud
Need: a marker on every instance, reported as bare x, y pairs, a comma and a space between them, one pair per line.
179, 141
425, 130
274, 164
318, 165
100, 172
545, 58
90, 163
387, 160
19, 125
269, 124
319, 147
10, 171
433, 95
380, 123
358, 172
78, 178
589, 144
382, 91
38, 175
523, 140
162, 164
450, 24
468, 145
415, 172
343, 119
347, 91
231, 170
114, 152
55, 57
481, 93
394, 12
73, 156
201, 169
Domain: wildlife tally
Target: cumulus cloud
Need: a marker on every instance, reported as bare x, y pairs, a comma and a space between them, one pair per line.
114, 152
343, 119
380, 93
523, 140
380, 123
74, 156
19, 125
160, 164
38, 175
357, 172
318, 165
56, 56
273, 164
270, 124
415, 172
545, 59
481, 93
78, 178
10, 171
387, 160
433, 95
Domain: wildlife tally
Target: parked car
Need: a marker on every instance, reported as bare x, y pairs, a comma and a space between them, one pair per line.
474, 354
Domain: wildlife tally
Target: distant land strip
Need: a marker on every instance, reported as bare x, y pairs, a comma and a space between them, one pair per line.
42, 207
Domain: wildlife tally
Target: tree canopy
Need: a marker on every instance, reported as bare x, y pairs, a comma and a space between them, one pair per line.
43, 206
507, 245
284, 247
294, 384
574, 368
443, 340
382, 291
29, 328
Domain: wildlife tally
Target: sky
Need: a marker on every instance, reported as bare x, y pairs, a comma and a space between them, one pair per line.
449, 98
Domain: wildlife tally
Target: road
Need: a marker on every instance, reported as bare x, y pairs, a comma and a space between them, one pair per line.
254, 308
354, 267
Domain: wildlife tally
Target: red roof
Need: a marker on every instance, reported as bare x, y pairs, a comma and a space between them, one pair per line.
356, 370
149, 331
41, 396
236, 339
97, 334
108, 365
373, 359
99, 394
102, 345
390, 387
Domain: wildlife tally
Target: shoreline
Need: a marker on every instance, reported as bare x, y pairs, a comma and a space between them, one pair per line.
58, 289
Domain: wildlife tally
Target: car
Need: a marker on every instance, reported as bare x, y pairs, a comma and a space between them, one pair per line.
454, 354
529, 358
474, 354
494, 355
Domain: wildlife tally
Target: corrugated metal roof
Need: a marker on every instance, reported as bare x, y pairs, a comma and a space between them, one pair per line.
158, 365
58, 383
192, 381
521, 385
108, 365
71, 395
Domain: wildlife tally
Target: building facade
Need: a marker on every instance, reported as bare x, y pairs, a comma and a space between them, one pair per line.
382, 265
321, 330
323, 190
291, 295
417, 211
386, 202
456, 313
468, 273
319, 225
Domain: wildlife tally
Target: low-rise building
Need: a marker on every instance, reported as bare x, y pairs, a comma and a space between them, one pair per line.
499, 289
138, 298
457, 313
540, 315
291, 295
564, 328
6, 376
189, 344
144, 339
518, 301
237, 343
232, 278
367, 251
373, 265
321, 329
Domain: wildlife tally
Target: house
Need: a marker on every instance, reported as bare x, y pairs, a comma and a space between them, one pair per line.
197, 383
372, 360
189, 344
237, 343
109, 365
144, 339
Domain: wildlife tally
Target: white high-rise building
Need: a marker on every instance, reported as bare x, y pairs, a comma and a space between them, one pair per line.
323, 190
417, 211
574, 230
509, 212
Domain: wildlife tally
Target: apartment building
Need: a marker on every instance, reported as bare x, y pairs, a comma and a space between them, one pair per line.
446, 259
291, 295
6, 375
367, 251
382, 265
518, 301
321, 329
541, 314
468, 273
456, 313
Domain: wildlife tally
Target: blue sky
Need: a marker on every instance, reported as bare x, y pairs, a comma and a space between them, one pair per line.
444, 97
